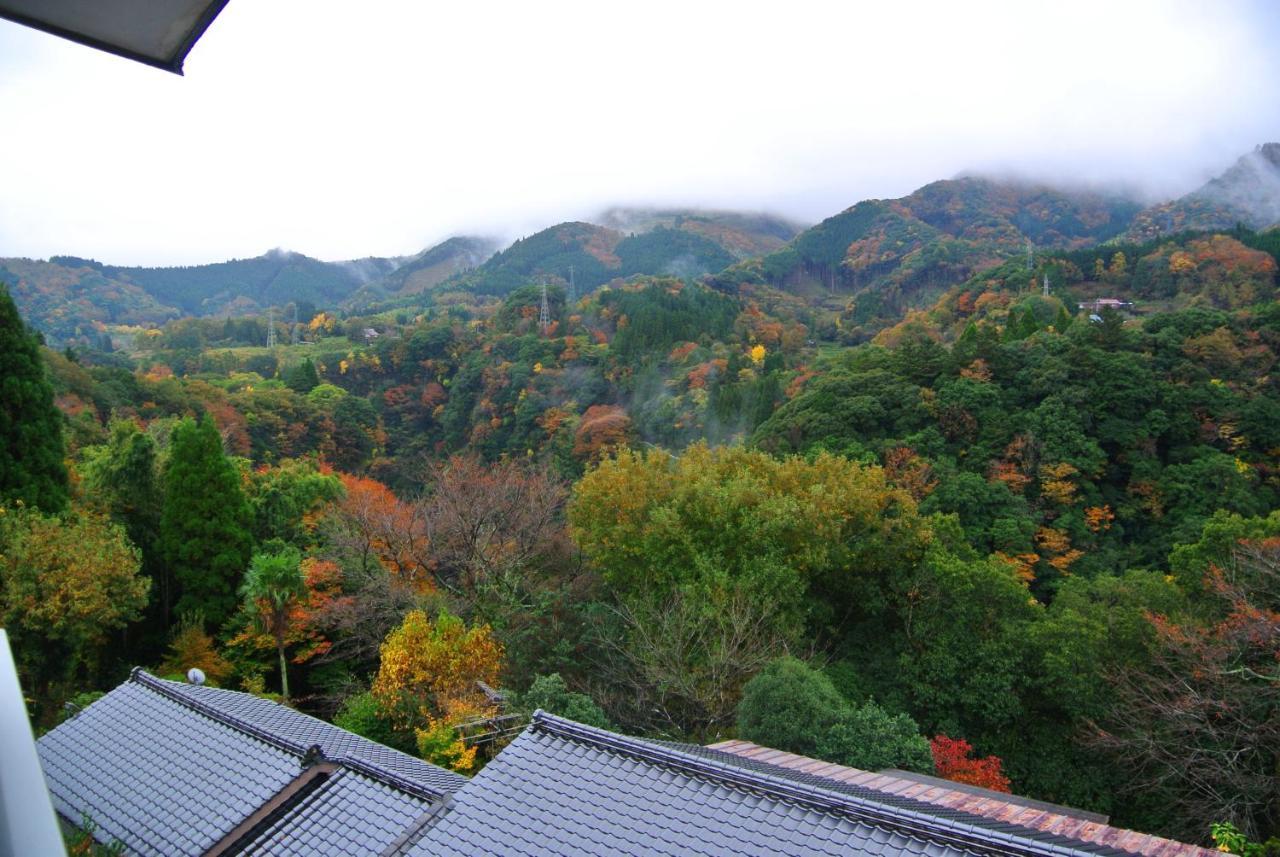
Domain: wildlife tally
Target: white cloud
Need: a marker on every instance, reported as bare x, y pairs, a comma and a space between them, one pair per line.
341, 132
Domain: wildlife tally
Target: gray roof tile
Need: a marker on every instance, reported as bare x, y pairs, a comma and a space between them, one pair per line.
565, 788
168, 768
155, 777
306, 730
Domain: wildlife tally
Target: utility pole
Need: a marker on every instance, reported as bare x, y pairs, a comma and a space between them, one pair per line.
544, 314
271, 327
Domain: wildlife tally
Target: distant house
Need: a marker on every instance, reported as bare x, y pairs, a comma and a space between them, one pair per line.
1099, 304
169, 768
369, 334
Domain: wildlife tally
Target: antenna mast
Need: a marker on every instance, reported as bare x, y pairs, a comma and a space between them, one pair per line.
544, 314
271, 327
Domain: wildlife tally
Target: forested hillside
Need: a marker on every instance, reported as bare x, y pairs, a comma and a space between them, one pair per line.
1247, 194
1019, 525
886, 256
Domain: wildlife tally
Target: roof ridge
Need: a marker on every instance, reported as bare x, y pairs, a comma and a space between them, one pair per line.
298, 748
1013, 839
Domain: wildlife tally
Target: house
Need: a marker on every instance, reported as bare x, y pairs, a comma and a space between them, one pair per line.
169, 768
1099, 304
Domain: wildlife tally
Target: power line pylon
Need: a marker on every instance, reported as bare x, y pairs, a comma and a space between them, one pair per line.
544, 314
271, 327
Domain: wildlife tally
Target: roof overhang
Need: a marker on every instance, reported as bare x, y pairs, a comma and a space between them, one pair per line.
158, 33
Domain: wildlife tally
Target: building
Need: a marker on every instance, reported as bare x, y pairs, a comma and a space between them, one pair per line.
1099, 304
169, 768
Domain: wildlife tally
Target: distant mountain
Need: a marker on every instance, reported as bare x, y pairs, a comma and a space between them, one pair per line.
69, 299
436, 264
66, 296
246, 285
1247, 193
593, 255
883, 256
742, 234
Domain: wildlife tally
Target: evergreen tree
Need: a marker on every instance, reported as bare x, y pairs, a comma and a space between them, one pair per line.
303, 378
206, 524
31, 444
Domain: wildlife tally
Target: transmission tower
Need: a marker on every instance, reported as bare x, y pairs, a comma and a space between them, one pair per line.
1030, 256
1045, 291
544, 314
573, 291
293, 336
271, 327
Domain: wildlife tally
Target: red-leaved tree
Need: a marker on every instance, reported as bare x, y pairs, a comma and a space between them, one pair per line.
953, 759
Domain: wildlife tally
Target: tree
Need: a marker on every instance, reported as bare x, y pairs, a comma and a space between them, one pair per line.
272, 587
789, 706
489, 525
1201, 723
205, 526
551, 694
302, 378
65, 583
122, 478
871, 738
287, 500
31, 444
378, 531
953, 759
191, 648
426, 682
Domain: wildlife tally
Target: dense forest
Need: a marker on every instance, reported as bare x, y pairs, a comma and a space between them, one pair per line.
1019, 526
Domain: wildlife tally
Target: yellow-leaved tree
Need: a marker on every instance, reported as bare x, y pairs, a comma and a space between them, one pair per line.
426, 683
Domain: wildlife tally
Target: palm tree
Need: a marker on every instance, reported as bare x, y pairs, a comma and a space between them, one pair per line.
272, 586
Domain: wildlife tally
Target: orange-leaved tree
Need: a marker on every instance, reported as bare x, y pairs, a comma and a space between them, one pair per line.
953, 759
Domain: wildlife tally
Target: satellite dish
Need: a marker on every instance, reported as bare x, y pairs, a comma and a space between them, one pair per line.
195, 675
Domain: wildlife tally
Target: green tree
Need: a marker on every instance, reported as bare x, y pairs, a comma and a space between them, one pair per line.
65, 584
551, 694
789, 706
869, 737
31, 443
302, 378
205, 534
272, 587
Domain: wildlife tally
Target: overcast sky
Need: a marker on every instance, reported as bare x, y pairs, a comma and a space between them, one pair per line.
344, 130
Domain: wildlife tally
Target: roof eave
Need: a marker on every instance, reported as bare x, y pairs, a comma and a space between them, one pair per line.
173, 63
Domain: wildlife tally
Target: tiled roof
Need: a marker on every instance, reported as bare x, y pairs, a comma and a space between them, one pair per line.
305, 730
1084, 828
168, 769
565, 788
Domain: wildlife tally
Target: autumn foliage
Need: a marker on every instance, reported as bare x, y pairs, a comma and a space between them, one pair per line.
953, 759
426, 682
